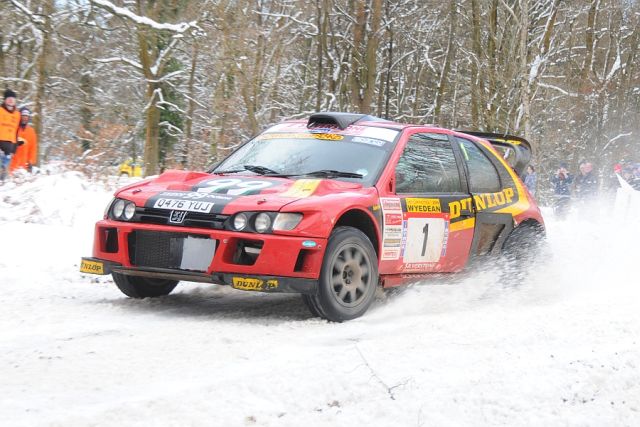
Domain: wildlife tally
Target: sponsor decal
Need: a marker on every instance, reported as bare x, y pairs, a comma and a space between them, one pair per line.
484, 201
423, 205
370, 141
253, 284
393, 219
370, 132
389, 254
391, 204
302, 188
91, 267
310, 135
445, 240
393, 224
419, 266
193, 195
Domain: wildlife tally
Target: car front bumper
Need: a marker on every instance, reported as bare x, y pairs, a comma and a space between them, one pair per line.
247, 261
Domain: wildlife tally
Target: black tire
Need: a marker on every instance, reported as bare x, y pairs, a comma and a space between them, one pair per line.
523, 244
143, 287
520, 253
348, 278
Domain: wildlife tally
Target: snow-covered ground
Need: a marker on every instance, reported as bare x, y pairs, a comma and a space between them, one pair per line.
561, 349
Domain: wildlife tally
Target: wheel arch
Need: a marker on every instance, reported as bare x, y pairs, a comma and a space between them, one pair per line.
531, 222
363, 221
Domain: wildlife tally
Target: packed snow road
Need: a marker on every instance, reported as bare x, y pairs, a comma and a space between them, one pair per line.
563, 348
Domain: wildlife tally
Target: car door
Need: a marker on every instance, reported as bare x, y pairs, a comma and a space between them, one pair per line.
492, 193
419, 233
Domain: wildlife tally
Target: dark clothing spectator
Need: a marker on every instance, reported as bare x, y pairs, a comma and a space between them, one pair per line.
586, 182
561, 182
530, 180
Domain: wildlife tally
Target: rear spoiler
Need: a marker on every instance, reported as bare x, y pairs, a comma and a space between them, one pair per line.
515, 150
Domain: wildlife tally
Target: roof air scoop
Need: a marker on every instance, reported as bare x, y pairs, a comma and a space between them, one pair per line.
342, 120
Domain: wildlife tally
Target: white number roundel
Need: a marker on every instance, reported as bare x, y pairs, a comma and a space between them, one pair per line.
232, 186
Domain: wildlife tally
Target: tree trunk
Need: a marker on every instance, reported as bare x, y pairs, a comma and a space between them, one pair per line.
188, 127
525, 93
371, 59
47, 29
444, 75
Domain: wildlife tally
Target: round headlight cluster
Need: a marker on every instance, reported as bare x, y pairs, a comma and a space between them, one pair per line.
262, 222
123, 209
240, 221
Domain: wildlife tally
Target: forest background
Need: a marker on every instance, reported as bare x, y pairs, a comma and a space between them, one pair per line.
181, 83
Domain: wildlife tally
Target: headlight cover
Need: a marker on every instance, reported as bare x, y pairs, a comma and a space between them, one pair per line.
240, 221
286, 221
129, 211
262, 222
123, 210
118, 209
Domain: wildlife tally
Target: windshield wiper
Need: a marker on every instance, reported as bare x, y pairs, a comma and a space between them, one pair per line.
226, 172
260, 170
329, 173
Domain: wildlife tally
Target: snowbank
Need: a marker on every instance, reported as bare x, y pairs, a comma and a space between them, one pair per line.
560, 349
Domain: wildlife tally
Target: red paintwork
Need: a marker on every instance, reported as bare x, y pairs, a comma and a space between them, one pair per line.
278, 255
322, 209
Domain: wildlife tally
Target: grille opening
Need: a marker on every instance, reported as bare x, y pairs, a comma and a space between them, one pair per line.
247, 251
192, 219
156, 249
300, 261
109, 240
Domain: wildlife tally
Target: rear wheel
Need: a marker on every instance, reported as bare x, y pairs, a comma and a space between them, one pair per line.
521, 250
348, 279
143, 287
523, 244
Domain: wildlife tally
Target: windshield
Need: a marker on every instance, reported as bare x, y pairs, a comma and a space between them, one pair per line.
314, 151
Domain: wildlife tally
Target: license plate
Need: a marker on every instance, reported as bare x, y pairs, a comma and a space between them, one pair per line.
92, 267
183, 205
253, 284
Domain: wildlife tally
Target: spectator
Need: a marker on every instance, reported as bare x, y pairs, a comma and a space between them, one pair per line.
631, 174
561, 182
9, 123
530, 179
586, 183
26, 155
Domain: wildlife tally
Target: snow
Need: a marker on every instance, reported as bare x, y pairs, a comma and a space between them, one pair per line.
143, 20
561, 348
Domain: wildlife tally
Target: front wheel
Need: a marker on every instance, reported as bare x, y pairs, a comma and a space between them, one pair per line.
143, 287
348, 279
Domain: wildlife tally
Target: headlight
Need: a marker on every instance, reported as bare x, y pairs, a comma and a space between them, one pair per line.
129, 211
240, 221
262, 222
118, 208
287, 221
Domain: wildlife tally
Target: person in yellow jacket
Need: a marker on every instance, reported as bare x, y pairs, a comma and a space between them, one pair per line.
9, 123
26, 155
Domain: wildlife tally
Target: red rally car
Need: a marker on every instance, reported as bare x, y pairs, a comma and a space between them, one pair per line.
331, 207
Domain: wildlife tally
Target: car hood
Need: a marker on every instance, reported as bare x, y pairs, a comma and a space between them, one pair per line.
227, 194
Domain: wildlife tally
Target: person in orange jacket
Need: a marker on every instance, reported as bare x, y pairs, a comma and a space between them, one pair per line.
9, 123
26, 155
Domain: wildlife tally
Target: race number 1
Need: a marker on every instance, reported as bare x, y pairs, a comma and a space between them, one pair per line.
425, 237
